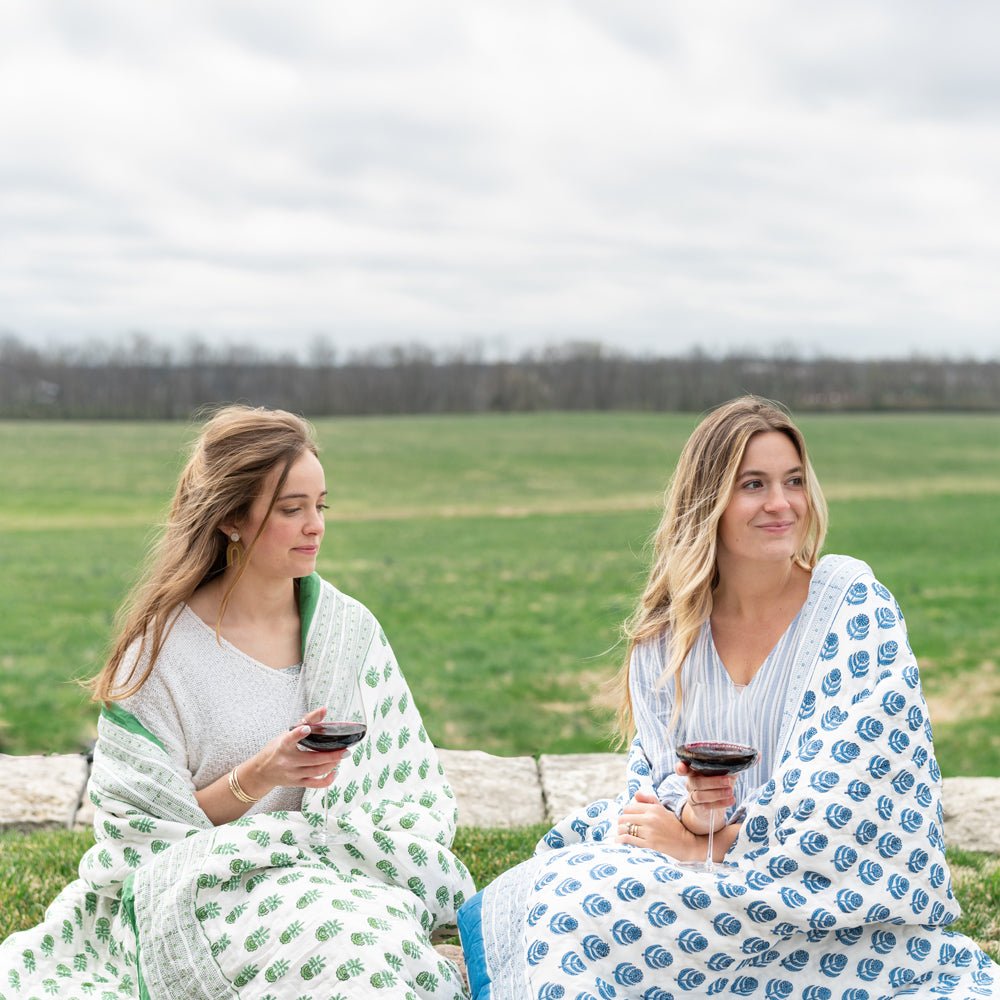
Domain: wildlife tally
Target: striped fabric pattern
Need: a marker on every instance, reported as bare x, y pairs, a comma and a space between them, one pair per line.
717, 716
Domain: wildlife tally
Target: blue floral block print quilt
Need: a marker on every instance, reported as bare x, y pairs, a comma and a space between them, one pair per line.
838, 887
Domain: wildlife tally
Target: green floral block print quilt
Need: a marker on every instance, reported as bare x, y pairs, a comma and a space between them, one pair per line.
168, 906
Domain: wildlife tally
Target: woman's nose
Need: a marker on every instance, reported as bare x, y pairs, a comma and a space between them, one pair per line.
776, 499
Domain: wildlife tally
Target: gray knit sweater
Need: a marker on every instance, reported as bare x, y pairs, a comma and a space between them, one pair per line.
214, 707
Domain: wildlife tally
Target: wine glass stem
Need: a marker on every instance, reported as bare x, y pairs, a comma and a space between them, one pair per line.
709, 859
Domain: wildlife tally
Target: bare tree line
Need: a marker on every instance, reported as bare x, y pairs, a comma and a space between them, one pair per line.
145, 380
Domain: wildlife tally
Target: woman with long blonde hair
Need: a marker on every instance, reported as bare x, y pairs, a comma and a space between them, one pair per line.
743, 523
827, 875
678, 596
229, 850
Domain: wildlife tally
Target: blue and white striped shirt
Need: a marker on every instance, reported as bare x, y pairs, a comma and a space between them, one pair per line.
717, 714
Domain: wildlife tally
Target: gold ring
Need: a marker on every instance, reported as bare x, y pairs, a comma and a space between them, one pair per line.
632, 830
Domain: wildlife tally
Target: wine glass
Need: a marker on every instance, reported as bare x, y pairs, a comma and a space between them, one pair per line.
706, 718
344, 725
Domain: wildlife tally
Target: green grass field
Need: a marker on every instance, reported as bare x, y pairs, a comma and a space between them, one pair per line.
500, 553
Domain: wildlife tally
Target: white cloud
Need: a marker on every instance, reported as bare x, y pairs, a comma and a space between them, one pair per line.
726, 174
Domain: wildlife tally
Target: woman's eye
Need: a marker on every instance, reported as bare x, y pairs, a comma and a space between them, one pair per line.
795, 481
322, 506
752, 484
290, 510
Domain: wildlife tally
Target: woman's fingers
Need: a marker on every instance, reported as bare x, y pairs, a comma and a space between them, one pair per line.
645, 808
707, 794
321, 780
296, 733
326, 777
703, 789
316, 715
705, 798
699, 795
717, 805
317, 760
625, 837
319, 763
638, 808
706, 782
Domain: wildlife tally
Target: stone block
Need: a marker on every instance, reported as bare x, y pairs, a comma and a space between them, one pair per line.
453, 953
494, 791
972, 813
84, 819
43, 792
570, 781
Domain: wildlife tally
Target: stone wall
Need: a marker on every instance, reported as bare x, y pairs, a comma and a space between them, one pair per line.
45, 792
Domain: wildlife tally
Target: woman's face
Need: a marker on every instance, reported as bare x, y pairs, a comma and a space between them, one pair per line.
289, 544
767, 514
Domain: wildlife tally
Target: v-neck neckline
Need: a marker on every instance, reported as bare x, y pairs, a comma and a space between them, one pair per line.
764, 664
290, 671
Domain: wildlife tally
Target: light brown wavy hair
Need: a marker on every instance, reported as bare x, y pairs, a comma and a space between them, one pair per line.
237, 449
677, 599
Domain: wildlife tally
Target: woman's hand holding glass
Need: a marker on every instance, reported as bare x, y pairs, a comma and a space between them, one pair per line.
283, 763
710, 763
709, 796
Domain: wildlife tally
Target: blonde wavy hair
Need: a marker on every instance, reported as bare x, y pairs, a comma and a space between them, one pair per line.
237, 449
677, 599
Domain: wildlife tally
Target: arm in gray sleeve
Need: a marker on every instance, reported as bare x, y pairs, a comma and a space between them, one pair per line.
156, 708
652, 707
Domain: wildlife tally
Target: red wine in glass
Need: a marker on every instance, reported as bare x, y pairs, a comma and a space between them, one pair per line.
333, 735
713, 758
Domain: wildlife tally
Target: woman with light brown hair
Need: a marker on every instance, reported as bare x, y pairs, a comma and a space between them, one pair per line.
244, 528
227, 851
818, 870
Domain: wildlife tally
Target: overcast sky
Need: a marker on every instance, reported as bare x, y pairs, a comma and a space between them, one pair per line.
654, 176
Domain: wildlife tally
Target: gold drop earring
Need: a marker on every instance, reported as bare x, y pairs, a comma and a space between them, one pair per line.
234, 551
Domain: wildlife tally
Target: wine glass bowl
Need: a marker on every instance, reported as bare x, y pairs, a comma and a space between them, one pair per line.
716, 758
333, 735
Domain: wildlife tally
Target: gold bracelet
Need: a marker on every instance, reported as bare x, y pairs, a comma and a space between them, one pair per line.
237, 789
